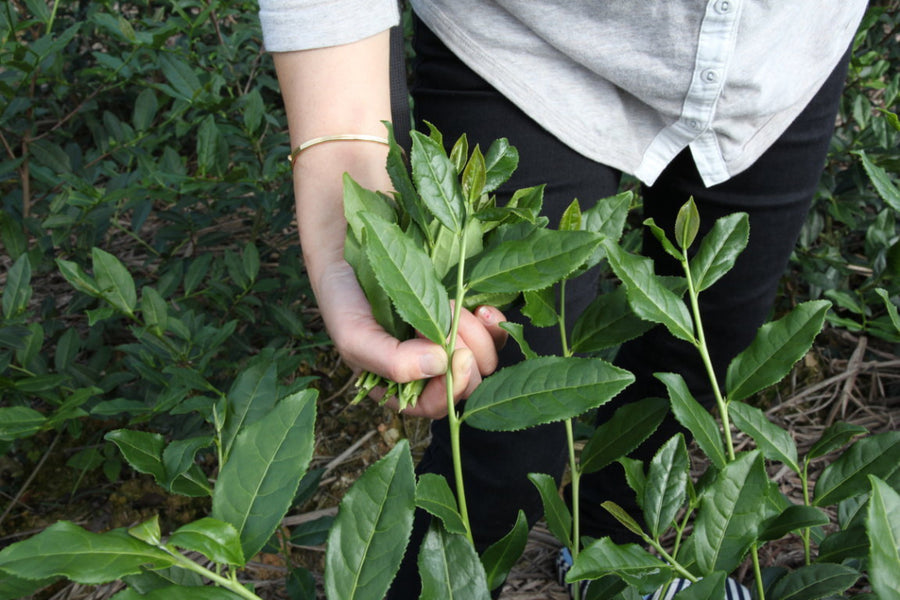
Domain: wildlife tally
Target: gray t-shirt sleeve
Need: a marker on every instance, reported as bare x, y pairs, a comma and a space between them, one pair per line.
303, 24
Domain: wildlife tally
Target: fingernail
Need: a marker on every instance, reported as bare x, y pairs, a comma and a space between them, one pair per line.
432, 365
485, 314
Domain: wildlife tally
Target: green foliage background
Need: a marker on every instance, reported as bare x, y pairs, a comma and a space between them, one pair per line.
152, 131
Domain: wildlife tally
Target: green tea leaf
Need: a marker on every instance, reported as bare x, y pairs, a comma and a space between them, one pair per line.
634, 476
649, 297
254, 110
79, 280
627, 429
793, 518
14, 337
473, 177
14, 588
17, 290
775, 442
632, 563
66, 550
848, 475
359, 200
148, 531
881, 180
301, 584
450, 569
114, 281
154, 309
844, 544
142, 449
608, 216
695, 418
622, 516
207, 144
811, 582
710, 587
777, 346
406, 273
251, 397
369, 535
571, 218
883, 525
145, 107
405, 192
719, 250
540, 307
556, 513
436, 180
666, 486
180, 76
687, 224
836, 436
536, 262
891, 308
730, 513
460, 152
517, 332
179, 592
663, 240
433, 494
607, 321
541, 391
214, 539
501, 556
258, 482
19, 422
179, 455
312, 533
500, 162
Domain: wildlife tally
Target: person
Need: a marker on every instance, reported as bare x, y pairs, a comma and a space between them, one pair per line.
730, 102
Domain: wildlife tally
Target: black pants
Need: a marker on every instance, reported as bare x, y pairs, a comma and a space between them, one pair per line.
776, 192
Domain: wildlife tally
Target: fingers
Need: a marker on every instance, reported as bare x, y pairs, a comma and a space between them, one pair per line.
362, 342
432, 402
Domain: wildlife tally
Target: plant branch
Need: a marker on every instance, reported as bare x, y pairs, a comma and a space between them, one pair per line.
670, 559
701, 346
230, 584
452, 415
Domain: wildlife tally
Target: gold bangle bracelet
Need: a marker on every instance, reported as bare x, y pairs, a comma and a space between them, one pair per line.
335, 138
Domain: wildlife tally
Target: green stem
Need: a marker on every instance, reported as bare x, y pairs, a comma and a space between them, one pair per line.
52, 16
804, 483
570, 438
680, 530
757, 572
564, 339
452, 415
576, 487
700, 344
671, 560
229, 584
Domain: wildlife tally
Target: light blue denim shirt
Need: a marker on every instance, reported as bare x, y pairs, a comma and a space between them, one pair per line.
628, 83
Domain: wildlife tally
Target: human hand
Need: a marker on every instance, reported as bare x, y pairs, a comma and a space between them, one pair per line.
479, 338
365, 345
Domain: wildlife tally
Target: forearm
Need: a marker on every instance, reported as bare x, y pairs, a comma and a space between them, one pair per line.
337, 90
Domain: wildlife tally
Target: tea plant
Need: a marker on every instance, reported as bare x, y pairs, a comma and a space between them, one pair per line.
147, 131
734, 509
849, 248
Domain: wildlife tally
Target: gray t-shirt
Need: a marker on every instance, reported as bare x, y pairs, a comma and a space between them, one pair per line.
628, 83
